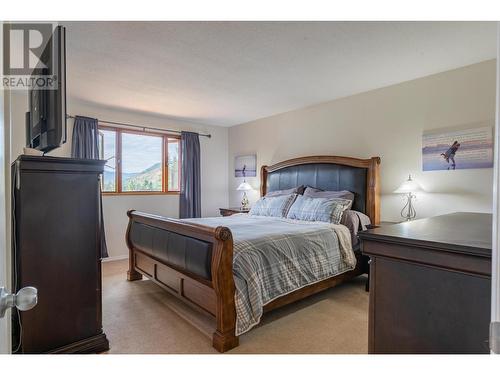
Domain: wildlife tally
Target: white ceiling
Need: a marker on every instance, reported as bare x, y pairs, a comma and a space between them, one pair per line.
227, 73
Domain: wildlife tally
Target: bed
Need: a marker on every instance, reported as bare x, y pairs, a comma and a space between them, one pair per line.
220, 265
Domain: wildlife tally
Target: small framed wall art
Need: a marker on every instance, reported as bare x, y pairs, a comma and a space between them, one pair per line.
450, 149
245, 166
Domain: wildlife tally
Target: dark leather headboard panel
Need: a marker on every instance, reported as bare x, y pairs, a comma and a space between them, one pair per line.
322, 176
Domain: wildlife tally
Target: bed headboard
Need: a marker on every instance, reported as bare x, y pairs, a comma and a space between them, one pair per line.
360, 176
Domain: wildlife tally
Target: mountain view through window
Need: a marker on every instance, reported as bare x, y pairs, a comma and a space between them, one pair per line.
142, 162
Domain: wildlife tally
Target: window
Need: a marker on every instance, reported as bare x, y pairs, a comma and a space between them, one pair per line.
107, 149
139, 162
174, 169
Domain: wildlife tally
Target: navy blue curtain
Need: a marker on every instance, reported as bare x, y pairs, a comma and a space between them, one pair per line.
85, 145
190, 198
85, 141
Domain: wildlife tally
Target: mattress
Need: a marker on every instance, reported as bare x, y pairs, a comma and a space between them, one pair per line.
275, 256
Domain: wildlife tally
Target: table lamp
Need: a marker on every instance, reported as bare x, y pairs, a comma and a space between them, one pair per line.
244, 187
408, 188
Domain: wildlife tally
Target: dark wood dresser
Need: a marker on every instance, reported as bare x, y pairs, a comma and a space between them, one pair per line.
56, 222
430, 285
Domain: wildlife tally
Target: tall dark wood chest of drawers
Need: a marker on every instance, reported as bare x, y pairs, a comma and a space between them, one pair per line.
430, 285
56, 248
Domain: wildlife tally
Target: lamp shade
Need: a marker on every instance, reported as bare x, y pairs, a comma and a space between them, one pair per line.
244, 186
409, 186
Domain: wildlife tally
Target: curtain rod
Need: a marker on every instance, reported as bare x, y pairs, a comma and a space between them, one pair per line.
143, 127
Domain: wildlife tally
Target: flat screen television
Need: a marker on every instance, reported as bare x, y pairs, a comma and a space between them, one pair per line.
46, 119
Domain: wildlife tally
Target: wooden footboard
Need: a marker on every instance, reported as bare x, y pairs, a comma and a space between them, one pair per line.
213, 293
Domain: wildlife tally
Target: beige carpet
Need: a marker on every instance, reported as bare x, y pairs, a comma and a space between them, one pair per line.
140, 317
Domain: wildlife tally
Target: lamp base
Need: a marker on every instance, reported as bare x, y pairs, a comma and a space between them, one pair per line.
408, 212
245, 204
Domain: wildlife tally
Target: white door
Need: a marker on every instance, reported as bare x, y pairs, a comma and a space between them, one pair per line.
4, 180
4, 336
495, 277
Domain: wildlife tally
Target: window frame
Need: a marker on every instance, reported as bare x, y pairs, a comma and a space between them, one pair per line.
164, 157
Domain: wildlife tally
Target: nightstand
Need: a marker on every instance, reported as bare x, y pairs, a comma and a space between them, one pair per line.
231, 211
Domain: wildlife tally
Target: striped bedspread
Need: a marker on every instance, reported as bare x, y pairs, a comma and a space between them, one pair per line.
274, 257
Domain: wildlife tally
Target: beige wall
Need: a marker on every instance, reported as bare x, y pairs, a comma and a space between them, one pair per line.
214, 167
387, 122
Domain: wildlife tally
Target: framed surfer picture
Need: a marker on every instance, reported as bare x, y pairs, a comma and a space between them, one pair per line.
245, 166
457, 149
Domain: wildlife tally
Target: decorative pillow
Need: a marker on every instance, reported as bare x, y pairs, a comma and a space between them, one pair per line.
354, 220
318, 193
295, 190
318, 209
273, 206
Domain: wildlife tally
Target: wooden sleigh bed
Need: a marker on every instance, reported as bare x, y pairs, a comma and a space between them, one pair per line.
196, 264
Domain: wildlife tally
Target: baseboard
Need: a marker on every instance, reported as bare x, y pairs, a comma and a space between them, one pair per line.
115, 258
95, 344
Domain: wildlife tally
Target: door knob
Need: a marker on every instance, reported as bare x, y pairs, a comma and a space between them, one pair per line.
25, 299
